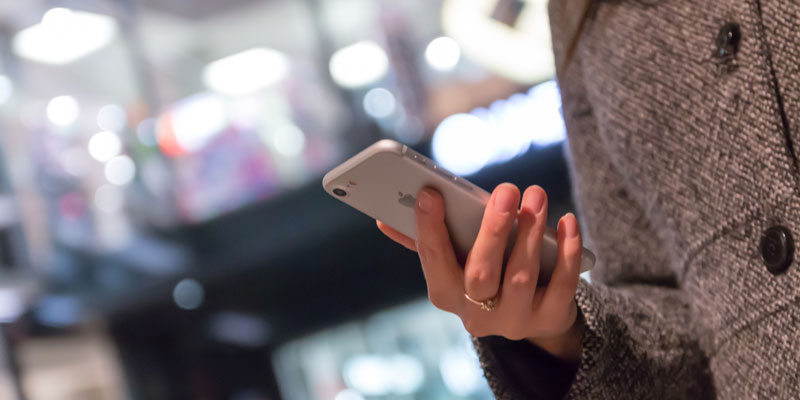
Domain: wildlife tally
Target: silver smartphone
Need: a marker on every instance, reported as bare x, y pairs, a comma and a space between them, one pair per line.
383, 180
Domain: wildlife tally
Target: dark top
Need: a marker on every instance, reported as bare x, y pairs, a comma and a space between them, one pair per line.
532, 370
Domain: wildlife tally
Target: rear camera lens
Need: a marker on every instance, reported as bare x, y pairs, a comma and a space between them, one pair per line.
339, 192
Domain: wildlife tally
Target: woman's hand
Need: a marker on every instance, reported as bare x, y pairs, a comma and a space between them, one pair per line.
544, 315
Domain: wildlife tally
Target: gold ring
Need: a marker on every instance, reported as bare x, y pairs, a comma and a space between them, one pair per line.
486, 305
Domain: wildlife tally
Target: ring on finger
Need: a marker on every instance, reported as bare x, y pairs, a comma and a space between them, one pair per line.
486, 305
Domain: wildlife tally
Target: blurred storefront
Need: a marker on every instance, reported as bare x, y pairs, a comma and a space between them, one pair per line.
163, 232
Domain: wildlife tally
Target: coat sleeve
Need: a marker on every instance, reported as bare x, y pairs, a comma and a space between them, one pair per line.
638, 338
637, 343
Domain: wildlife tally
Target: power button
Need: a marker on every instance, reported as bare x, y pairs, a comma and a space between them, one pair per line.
441, 171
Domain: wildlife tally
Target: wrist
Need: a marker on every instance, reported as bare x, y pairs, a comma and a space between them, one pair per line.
566, 346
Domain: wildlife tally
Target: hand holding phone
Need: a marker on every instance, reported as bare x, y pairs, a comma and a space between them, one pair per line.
383, 180
465, 237
523, 310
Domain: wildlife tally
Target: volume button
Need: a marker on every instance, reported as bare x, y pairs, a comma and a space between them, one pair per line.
418, 157
442, 172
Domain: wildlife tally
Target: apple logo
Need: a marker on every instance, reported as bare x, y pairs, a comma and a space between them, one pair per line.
406, 200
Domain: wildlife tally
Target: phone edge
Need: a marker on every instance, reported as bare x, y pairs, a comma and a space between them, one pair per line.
381, 146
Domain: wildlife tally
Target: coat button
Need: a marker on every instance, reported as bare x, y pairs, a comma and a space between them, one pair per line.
777, 249
728, 41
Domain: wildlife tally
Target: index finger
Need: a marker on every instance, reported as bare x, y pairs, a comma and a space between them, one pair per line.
443, 274
397, 236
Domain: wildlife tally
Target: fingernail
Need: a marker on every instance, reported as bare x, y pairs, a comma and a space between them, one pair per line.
570, 228
537, 200
424, 201
505, 200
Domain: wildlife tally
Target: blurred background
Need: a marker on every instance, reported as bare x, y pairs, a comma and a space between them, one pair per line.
163, 230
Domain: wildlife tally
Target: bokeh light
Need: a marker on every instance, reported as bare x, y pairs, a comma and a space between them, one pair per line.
289, 140
359, 64
63, 110
247, 71
64, 36
379, 103
75, 160
409, 130
375, 375
112, 117
11, 305
188, 294
6, 89
109, 198
461, 371
104, 146
463, 144
197, 119
348, 394
443, 54
120, 170
146, 132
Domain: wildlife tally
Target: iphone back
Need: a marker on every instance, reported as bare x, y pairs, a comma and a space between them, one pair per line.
383, 180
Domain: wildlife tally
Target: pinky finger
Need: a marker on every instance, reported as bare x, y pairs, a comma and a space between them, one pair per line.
397, 236
561, 289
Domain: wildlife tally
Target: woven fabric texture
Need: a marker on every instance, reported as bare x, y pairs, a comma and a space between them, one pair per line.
680, 160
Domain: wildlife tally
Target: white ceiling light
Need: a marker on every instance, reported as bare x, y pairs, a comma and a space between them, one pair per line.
64, 36
359, 64
442, 54
247, 71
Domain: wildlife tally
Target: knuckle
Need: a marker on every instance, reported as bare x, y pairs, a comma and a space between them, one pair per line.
517, 329
427, 252
473, 327
521, 281
438, 299
498, 227
480, 277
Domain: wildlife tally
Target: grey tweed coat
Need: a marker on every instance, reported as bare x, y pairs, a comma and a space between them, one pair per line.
682, 140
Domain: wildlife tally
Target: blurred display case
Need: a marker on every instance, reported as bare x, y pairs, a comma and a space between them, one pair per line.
413, 351
160, 164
